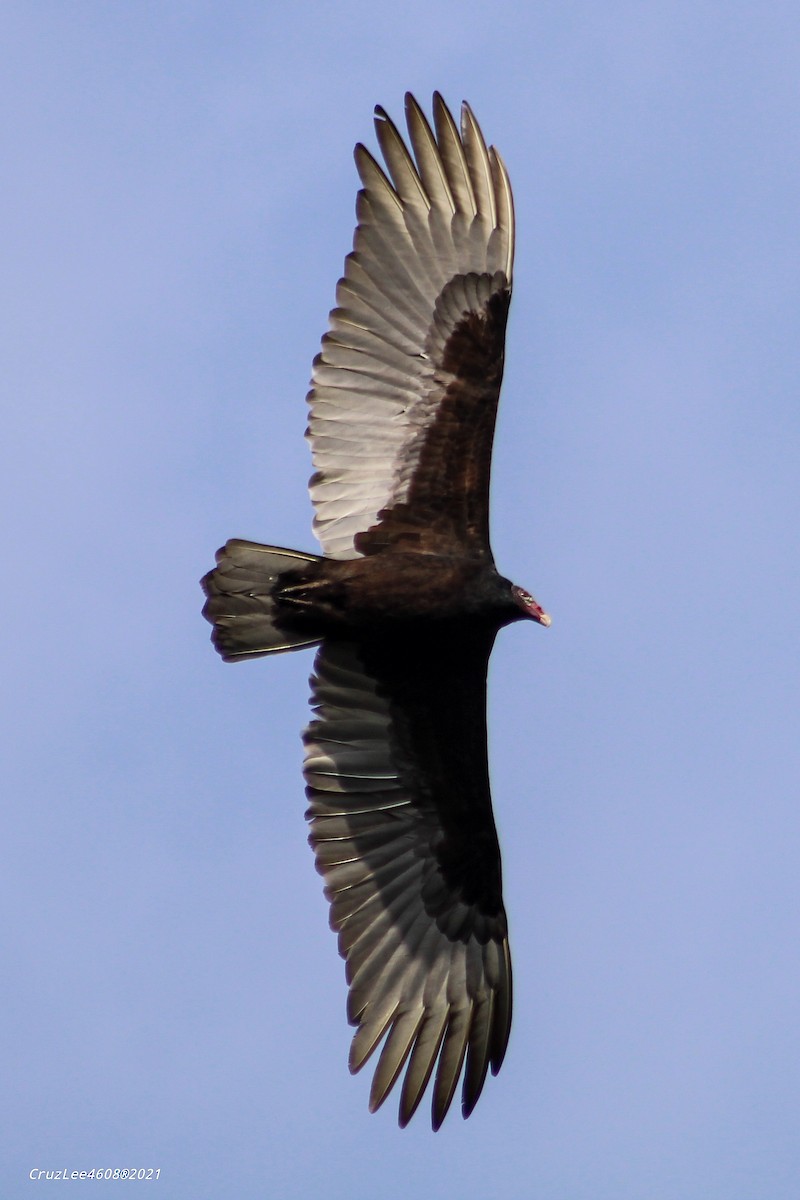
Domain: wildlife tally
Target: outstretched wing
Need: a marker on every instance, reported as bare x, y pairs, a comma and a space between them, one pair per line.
404, 393
402, 829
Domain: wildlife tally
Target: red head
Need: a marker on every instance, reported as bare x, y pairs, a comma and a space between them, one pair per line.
530, 607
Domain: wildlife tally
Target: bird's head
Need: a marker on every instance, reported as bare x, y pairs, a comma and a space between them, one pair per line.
530, 607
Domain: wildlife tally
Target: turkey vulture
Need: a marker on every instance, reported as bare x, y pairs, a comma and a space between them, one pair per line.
404, 606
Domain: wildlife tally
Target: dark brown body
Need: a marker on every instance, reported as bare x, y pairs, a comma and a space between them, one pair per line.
359, 595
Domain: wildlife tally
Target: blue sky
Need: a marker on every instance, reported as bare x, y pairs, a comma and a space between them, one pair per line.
177, 202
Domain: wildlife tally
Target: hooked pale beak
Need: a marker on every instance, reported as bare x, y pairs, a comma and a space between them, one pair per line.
536, 612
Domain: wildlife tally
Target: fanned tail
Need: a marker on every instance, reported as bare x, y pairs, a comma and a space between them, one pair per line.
241, 603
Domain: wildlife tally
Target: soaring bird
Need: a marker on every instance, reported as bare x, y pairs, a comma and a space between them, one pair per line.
404, 606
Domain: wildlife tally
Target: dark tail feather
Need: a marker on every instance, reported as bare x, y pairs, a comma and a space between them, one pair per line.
240, 606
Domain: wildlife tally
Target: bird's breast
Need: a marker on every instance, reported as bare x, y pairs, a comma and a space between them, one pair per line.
358, 594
